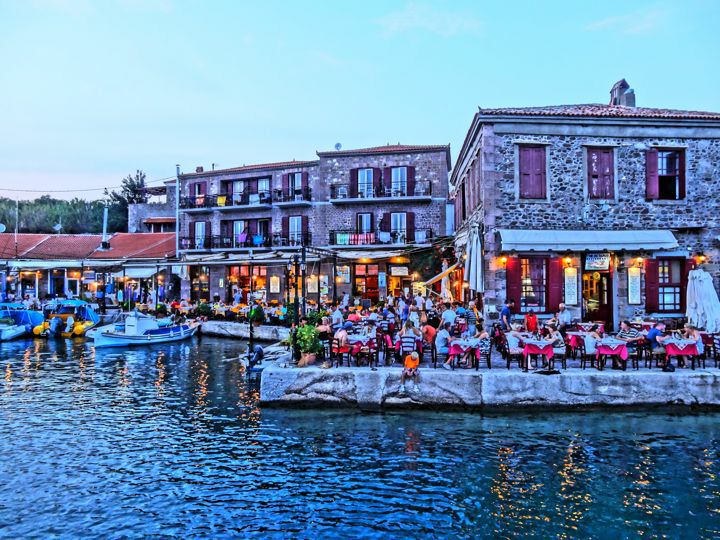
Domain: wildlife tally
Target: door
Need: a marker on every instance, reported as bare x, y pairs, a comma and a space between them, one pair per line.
597, 296
199, 232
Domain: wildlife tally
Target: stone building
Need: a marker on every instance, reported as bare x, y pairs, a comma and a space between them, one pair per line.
602, 207
156, 215
363, 208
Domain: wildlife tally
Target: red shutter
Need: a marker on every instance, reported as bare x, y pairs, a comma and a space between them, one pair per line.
601, 183
305, 182
387, 181
353, 183
253, 186
286, 227
285, 184
208, 231
554, 284
513, 285
532, 172
410, 226
651, 284
525, 158
681, 174
203, 188
411, 181
304, 227
689, 265
652, 187
191, 232
252, 224
540, 180
377, 181
385, 223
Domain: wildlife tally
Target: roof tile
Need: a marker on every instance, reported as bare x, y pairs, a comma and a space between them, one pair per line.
601, 111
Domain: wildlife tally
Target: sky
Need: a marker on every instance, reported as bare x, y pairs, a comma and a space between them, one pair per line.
91, 90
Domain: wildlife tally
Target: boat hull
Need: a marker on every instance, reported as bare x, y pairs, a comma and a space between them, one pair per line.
11, 332
162, 335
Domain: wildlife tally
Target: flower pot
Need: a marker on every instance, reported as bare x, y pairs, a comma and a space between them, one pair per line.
307, 359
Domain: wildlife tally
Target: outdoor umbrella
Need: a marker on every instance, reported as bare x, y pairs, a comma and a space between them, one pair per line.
468, 257
472, 276
703, 306
477, 255
445, 284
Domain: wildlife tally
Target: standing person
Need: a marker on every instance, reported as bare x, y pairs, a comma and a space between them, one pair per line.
471, 315
531, 322
337, 318
100, 295
506, 315
346, 299
448, 316
428, 303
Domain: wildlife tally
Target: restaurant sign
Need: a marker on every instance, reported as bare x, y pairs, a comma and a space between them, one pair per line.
571, 286
634, 279
399, 271
597, 261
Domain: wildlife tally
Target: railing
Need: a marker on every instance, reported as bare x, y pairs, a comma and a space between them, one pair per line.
198, 201
297, 195
397, 236
240, 241
292, 239
225, 199
343, 191
195, 242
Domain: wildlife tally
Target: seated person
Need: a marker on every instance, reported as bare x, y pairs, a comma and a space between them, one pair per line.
442, 342
409, 328
691, 333
656, 336
591, 339
354, 316
513, 338
630, 335
324, 329
410, 370
428, 332
342, 337
555, 337
369, 329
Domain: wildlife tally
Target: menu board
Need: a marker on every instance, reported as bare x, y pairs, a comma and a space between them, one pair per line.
634, 286
597, 261
571, 286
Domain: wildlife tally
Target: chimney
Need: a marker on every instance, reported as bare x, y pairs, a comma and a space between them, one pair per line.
199, 169
621, 94
105, 244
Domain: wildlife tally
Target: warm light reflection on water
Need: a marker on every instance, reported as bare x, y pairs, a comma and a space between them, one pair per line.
170, 441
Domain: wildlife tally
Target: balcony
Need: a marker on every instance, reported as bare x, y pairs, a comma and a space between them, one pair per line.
197, 243
343, 238
227, 201
297, 197
342, 194
292, 239
241, 241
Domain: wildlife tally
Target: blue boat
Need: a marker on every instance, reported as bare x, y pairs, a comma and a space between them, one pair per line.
139, 329
16, 320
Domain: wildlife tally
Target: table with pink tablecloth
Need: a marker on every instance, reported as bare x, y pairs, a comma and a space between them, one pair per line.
539, 348
585, 327
680, 348
461, 346
612, 348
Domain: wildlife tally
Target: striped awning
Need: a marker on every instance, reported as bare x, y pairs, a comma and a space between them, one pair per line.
441, 275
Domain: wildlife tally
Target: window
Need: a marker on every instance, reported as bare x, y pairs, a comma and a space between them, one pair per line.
294, 182
199, 234
238, 186
264, 186
263, 228
600, 167
239, 233
399, 181
398, 227
665, 174
364, 223
533, 284
295, 229
669, 284
365, 183
532, 172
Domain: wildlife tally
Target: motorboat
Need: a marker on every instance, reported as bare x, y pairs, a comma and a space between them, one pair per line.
68, 318
17, 320
140, 329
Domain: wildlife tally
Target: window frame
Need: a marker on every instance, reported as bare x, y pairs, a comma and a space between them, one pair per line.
519, 145
295, 235
678, 306
365, 187
545, 287
399, 185
587, 149
363, 216
679, 176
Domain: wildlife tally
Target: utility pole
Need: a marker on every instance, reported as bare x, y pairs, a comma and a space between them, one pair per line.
303, 267
177, 211
17, 224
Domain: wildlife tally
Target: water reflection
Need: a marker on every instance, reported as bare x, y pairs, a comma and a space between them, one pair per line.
170, 441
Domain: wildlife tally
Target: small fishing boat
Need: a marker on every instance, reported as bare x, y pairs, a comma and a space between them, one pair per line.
16, 320
139, 329
68, 318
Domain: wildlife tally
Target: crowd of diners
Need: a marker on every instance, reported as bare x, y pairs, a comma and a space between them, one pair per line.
410, 330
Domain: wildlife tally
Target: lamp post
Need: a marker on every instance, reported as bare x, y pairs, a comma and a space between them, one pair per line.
294, 265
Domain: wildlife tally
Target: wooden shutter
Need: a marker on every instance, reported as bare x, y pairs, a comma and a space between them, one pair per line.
539, 166
410, 226
554, 284
305, 182
225, 228
192, 230
651, 284
252, 224
689, 265
377, 181
681, 174
252, 186
385, 223
286, 227
203, 188
652, 186
387, 181
304, 227
532, 172
513, 286
410, 181
285, 184
601, 182
353, 190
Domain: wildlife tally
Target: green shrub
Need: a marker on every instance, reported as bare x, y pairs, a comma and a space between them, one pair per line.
204, 310
257, 314
307, 339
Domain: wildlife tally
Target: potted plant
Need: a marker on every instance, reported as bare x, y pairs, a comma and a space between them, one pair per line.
256, 315
309, 344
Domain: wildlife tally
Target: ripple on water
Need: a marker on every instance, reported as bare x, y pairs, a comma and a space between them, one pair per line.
170, 441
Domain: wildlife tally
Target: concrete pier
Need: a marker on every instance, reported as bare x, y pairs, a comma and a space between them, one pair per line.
242, 330
486, 389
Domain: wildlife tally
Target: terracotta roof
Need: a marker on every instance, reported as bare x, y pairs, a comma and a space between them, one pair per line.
387, 149
255, 167
25, 242
138, 246
159, 219
601, 111
65, 246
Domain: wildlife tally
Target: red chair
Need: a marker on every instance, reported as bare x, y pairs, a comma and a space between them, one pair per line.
337, 352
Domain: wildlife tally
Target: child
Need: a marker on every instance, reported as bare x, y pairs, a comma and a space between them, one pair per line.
412, 361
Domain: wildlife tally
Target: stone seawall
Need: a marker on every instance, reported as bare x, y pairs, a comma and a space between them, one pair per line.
366, 389
242, 330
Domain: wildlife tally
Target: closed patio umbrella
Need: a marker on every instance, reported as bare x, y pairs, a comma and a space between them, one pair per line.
477, 254
472, 276
468, 258
703, 306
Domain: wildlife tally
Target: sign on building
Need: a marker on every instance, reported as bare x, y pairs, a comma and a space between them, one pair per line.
597, 261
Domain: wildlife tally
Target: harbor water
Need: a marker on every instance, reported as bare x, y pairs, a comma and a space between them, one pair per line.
169, 441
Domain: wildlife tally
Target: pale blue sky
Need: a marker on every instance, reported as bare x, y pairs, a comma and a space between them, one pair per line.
92, 90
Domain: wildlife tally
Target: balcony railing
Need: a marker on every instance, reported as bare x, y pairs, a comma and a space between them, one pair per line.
398, 236
290, 196
198, 201
195, 242
241, 241
343, 191
225, 200
292, 239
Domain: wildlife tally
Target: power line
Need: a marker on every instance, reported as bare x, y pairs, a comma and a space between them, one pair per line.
77, 190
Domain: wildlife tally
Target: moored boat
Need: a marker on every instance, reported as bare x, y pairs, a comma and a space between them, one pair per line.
139, 329
69, 318
16, 320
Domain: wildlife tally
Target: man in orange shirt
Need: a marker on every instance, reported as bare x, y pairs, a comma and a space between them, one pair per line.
412, 361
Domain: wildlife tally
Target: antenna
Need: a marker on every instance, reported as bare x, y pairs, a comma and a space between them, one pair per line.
338, 146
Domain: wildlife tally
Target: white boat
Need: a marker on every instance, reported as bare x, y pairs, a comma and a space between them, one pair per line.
16, 320
139, 329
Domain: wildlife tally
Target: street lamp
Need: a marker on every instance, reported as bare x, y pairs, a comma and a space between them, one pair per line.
294, 265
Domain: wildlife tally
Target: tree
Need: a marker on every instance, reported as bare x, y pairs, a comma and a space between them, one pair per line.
132, 191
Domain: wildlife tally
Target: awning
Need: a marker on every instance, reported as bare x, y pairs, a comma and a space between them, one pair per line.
137, 272
43, 265
441, 275
592, 240
373, 255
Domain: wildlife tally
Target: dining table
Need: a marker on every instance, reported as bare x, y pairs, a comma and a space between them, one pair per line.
532, 346
680, 347
612, 347
586, 326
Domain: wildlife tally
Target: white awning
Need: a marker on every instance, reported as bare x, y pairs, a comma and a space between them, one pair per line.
30, 264
441, 275
592, 240
137, 272
373, 255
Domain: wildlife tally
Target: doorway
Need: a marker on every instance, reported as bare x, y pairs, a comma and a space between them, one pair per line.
597, 296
